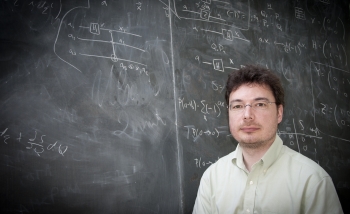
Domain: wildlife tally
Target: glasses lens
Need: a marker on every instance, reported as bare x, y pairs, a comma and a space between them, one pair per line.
260, 105
257, 105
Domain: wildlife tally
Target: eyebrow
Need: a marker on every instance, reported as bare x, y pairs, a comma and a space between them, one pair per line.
256, 99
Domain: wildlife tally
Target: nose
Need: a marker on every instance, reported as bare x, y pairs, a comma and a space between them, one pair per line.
248, 114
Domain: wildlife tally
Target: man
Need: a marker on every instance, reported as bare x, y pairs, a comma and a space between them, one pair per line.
262, 175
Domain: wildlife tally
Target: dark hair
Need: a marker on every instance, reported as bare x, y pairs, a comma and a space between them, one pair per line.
252, 74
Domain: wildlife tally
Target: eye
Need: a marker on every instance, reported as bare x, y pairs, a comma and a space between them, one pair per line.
260, 105
237, 106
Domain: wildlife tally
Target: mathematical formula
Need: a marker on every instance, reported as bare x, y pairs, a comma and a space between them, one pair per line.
202, 106
201, 163
196, 133
36, 143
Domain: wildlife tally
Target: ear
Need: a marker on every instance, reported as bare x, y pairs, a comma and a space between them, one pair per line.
279, 113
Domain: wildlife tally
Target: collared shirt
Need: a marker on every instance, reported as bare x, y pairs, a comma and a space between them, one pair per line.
283, 181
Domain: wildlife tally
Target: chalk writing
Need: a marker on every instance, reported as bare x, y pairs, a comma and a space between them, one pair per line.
139, 4
44, 7
201, 163
217, 64
294, 137
36, 143
120, 41
227, 35
299, 13
196, 133
288, 47
95, 29
231, 14
202, 106
217, 87
335, 113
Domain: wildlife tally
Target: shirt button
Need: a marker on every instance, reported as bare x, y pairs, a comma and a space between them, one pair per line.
251, 182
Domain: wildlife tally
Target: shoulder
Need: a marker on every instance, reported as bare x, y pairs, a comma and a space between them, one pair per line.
302, 163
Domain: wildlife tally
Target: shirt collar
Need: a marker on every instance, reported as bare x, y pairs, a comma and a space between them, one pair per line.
238, 157
268, 159
273, 152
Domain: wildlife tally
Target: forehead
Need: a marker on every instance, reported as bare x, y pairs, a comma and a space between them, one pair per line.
251, 91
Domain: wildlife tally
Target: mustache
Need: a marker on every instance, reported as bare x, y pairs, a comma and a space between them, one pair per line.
245, 124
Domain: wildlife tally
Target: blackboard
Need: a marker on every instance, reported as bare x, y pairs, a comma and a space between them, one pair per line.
117, 106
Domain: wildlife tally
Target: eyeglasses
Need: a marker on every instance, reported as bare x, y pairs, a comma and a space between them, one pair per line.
256, 105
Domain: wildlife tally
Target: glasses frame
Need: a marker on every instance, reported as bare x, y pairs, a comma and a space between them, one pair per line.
252, 106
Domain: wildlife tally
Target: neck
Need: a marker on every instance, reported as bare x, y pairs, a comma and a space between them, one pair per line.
253, 155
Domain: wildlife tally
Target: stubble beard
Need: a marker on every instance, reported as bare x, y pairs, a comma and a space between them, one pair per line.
257, 144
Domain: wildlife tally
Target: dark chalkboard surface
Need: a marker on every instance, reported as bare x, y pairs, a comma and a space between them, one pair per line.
117, 106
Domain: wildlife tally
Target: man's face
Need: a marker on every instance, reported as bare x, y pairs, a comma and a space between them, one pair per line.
252, 127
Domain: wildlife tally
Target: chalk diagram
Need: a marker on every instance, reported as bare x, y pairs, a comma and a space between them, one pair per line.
79, 41
230, 17
333, 113
96, 29
222, 12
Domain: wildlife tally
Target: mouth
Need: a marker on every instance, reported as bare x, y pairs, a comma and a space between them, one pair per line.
249, 129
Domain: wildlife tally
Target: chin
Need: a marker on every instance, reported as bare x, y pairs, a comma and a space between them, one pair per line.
249, 138
252, 144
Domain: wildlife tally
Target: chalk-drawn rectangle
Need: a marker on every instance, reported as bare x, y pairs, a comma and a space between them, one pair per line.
95, 28
218, 65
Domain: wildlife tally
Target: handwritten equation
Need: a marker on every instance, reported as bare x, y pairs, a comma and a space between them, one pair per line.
202, 106
202, 163
221, 12
195, 133
43, 7
36, 143
333, 82
285, 46
217, 64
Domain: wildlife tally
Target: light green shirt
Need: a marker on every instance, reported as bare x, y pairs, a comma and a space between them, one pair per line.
283, 181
